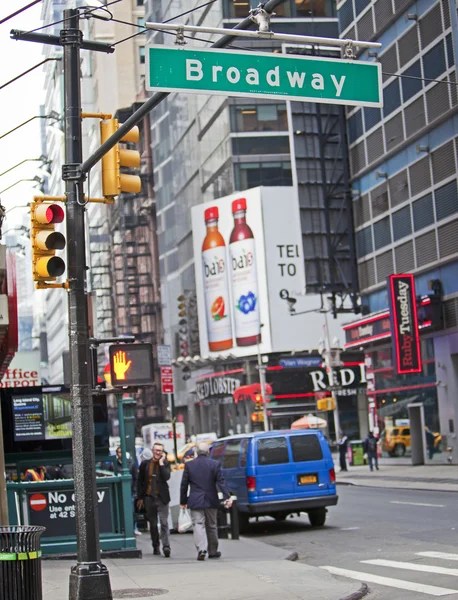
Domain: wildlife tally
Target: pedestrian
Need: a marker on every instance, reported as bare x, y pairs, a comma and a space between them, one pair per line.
154, 496
116, 467
370, 448
343, 447
35, 474
202, 476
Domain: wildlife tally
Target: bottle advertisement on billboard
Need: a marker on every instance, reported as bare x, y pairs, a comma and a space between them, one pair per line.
248, 250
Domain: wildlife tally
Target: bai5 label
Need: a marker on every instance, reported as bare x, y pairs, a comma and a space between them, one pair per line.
244, 278
216, 287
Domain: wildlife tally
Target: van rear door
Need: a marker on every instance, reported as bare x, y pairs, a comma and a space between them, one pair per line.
274, 470
311, 467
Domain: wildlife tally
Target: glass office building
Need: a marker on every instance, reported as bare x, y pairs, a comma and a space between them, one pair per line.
403, 161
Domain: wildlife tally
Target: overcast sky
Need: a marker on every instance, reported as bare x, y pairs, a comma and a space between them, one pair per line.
19, 101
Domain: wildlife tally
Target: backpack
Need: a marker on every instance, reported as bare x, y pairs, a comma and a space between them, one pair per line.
371, 444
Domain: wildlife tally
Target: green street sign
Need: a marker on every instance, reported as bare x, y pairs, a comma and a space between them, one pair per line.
227, 72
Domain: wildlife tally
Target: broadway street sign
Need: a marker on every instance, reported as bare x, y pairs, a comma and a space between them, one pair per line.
227, 72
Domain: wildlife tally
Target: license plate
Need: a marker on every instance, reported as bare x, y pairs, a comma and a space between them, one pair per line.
303, 479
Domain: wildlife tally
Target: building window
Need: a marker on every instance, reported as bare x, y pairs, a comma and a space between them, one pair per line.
411, 86
355, 126
372, 116
141, 54
261, 117
140, 2
382, 233
248, 175
391, 97
423, 213
141, 21
261, 145
364, 241
346, 15
434, 61
315, 8
446, 200
402, 224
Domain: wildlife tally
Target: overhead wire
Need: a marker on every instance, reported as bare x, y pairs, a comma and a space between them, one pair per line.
18, 12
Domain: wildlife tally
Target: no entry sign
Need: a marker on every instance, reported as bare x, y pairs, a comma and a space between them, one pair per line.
38, 502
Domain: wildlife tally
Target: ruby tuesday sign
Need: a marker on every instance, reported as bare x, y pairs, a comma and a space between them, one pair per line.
404, 323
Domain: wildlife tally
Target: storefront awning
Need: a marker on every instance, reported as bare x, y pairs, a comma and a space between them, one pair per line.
249, 392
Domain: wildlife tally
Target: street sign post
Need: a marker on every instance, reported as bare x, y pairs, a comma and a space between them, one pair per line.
263, 75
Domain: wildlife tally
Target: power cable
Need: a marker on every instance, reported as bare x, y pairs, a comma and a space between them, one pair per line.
19, 11
145, 29
421, 78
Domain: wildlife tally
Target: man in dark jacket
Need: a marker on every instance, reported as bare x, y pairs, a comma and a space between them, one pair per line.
203, 475
370, 448
153, 495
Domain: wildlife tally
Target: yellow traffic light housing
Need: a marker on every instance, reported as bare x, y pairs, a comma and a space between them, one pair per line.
113, 181
45, 241
325, 404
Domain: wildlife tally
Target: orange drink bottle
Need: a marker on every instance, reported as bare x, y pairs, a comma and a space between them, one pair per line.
216, 286
244, 278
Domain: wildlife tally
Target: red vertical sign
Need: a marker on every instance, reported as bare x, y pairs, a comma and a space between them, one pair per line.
167, 380
404, 323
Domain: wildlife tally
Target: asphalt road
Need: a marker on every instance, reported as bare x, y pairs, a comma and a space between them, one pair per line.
373, 525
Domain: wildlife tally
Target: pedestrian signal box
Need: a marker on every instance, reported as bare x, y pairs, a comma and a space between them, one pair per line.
326, 404
131, 365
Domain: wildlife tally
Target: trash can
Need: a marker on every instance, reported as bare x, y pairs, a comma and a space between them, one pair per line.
357, 453
20, 563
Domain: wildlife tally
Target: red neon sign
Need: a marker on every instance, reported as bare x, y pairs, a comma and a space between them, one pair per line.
404, 323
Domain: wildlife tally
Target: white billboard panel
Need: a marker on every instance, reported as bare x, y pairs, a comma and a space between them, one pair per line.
247, 249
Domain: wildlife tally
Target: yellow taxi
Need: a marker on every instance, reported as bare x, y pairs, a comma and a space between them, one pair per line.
396, 440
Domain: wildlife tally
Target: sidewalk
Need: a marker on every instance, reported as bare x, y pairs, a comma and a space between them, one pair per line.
248, 570
441, 478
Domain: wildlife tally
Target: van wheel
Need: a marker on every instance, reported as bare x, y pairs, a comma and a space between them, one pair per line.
244, 522
279, 517
317, 517
399, 450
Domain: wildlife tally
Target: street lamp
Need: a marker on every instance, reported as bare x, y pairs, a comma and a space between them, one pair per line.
52, 115
36, 179
42, 159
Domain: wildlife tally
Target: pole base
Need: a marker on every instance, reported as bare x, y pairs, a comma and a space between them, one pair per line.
90, 581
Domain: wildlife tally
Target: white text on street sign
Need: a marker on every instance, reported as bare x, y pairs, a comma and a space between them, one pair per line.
167, 380
164, 355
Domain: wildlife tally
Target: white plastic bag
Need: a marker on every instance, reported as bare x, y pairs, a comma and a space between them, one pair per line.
184, 521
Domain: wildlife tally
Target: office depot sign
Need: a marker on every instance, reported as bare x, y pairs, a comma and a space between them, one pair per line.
24, 371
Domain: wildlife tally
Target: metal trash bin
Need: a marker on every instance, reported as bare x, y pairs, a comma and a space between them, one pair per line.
20, 563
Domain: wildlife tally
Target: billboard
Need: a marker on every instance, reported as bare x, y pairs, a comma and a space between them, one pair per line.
404, 323
23, 371
248, 251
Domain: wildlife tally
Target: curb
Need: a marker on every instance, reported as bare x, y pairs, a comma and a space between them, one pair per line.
363, 591
392, 486
292, 557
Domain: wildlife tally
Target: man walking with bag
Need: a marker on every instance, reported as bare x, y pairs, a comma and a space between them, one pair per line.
202, 475
153, 495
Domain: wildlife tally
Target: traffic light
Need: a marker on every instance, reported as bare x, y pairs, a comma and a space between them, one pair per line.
186, 373
257, 417
45, 240
325, 404
113, 181
258, 400
183, 331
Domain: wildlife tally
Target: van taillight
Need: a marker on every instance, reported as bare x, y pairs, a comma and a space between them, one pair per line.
332, 475
251, 483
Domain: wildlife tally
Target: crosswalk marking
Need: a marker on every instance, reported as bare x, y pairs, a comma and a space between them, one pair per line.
393, 564
444, 555
417, 504
391, 582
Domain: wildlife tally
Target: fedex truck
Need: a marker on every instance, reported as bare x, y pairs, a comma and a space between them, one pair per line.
163, 433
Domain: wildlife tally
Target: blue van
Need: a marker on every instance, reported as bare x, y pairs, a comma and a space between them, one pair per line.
277, 473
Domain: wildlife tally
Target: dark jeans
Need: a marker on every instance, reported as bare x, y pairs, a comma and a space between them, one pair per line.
155, 507
343, 462
373, 460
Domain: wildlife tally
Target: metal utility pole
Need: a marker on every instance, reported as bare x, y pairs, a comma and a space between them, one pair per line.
89, 578
331, 361
262, 382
